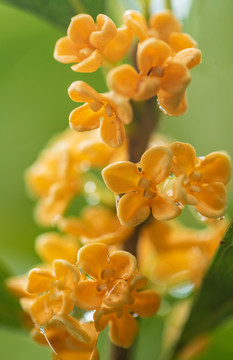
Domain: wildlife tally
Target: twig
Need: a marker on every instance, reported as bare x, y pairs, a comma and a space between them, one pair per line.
147, 116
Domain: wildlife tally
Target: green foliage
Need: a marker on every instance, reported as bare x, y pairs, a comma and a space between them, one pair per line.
213, 303
59, 12
9, 306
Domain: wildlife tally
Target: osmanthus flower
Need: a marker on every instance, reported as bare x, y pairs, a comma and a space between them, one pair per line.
69, 338
200, 182
163, 26
51, 291
171, 253
160, 73
117, 48
85, 42
51, 246
112, 291
55, 177
96, 224
72, 339
137, 185
108, 111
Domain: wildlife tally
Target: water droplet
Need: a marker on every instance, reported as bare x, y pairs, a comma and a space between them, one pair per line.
93, 199
90, 187
182, 290
85, 165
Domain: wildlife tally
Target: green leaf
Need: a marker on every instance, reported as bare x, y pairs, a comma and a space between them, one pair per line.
10, 312
59, 12
213, 304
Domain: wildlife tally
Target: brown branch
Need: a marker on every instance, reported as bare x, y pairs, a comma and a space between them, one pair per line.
147, 116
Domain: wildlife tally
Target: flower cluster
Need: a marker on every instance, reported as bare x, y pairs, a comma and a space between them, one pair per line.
166, 179
56, 177
87, 281
171, 253
164, 56
107, 283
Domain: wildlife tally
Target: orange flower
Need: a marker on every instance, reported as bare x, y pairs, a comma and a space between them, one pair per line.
160, 74
86, 42
112, 109
96, 224
201, 182
71, 339
163, 26
112, 292
119, 45
55, 177
51, 291
139, 185
68, 338
51, 246
170, 253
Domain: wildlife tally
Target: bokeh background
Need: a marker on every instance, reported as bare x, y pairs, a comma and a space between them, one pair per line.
35, 106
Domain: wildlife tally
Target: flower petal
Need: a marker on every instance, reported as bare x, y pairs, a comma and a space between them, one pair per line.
101, 319
106, 31
138, 281
17, 285
164, 24
51, 246
116, 297
68, 347
180, 193
123, 330
84, 119
212, 200
121, 177
90, 64
39, 281
146, 303
147, 88
173, 105
151, 53
189, 57
119, 45
133, 208
124, 80
67, 273
176, 77
156, 163
183, 158
80, 29
123, 263
65, 51
86, 295
80, 91
39, 308
93, 258
73, 327
216, 167
164, 208
179, 41
112, 131
136, 23
123, 109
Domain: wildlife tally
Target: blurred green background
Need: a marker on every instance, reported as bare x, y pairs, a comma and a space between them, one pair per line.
35, 105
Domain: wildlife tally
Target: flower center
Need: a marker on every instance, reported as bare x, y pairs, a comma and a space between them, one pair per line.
145, 184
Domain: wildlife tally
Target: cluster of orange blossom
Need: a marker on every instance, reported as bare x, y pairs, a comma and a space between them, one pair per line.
86, 281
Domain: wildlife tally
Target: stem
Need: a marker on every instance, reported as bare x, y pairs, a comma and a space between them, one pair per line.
168, 5
145, 7
147, 116
147, 120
